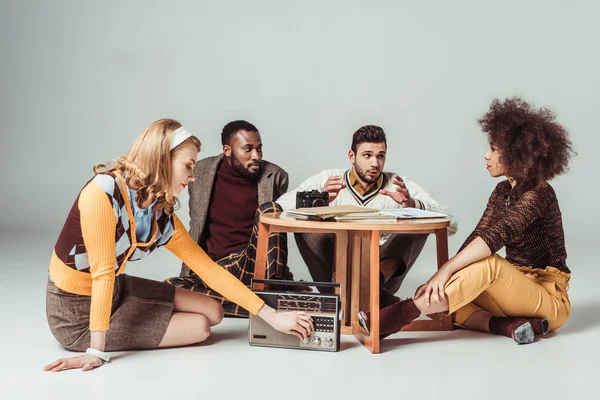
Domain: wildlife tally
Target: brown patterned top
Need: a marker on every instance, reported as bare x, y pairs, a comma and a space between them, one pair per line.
528, 223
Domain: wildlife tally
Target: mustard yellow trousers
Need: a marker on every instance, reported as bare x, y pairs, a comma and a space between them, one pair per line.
502, 289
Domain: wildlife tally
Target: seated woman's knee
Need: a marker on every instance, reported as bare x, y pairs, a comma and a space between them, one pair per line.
217, 314
213, 310
202, 329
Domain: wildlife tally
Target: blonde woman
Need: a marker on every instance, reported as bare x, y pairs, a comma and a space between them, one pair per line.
123, 214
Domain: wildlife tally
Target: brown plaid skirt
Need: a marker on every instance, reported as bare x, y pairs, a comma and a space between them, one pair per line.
140, 314
241, 265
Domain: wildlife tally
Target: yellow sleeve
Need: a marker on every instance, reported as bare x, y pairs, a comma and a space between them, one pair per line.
215, 276
98, 227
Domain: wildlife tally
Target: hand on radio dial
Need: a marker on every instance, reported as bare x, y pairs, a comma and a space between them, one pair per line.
297, 323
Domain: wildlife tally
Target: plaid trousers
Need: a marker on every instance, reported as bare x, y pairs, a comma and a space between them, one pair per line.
241, 265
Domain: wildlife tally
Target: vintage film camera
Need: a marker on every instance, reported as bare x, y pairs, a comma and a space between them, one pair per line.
324, 309
312, 198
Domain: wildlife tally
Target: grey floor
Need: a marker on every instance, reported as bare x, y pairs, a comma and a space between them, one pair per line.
457, 364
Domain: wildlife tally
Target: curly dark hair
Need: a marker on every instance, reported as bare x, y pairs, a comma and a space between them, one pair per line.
533, 147
234, 127
368, 134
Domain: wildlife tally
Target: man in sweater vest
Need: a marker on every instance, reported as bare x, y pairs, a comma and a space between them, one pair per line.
229, 193
366, 184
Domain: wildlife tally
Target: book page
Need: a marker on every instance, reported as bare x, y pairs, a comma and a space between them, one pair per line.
330, 211
402, 213
363, 216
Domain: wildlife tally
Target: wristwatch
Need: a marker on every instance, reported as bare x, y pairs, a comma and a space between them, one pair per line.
97, 353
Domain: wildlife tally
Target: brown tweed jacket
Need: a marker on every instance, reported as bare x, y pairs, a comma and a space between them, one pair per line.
271, 185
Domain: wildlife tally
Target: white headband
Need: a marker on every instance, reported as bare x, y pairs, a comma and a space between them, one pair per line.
178, 136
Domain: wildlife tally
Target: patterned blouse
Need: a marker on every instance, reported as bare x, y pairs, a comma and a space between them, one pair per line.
528, 223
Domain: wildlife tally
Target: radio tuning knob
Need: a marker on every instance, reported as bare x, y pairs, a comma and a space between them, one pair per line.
305, 341
317, 340
328, 341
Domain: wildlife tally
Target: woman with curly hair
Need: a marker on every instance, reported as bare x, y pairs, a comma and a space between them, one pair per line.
524, 294
123, 214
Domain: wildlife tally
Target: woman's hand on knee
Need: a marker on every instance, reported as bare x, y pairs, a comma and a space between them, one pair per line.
434, 289
86, 362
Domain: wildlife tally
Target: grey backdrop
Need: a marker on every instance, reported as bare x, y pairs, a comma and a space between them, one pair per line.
81, 79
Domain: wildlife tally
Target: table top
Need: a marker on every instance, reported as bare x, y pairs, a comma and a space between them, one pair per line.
406, 225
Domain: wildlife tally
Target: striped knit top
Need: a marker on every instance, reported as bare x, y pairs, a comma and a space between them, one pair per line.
99, 238
528, 223
372, 198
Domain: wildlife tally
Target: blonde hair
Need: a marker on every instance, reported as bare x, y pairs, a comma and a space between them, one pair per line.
147, 165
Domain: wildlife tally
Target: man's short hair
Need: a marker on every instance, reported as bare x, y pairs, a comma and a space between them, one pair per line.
234, 127
368, 134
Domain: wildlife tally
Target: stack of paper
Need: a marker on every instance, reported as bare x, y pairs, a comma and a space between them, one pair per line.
407, 213
361, 214
360, 217
331, 212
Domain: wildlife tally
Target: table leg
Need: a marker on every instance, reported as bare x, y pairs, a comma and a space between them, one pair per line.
365, 273
371, 249
441, 240
355, 261
374, 290
342, 276
260, 265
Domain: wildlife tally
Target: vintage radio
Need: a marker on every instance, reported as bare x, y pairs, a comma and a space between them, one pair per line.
324, 309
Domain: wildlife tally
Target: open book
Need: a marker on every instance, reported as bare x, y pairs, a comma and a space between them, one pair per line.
376, 216
389, 215
353, 213
330, 212
407, 213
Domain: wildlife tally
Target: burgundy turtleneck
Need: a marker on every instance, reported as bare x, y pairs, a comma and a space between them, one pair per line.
230, 219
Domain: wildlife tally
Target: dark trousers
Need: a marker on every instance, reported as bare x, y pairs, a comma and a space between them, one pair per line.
397, 255
241, 265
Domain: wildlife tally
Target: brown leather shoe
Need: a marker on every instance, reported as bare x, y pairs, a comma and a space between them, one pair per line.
519, 329
364, 318
392, 318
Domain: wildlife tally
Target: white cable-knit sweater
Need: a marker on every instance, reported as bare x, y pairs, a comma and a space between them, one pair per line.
375, 200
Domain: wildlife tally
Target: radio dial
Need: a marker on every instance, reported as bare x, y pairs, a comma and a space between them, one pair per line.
328, 341
317, 340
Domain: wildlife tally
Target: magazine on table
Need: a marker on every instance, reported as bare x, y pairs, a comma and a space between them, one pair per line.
408, 213
352, 213
330, 212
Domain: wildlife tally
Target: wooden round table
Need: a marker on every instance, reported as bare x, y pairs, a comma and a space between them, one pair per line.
357, 263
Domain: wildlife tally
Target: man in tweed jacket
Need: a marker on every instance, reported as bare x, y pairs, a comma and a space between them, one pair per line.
230, 191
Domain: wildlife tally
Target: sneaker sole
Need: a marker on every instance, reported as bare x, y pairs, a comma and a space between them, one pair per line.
363, 322
545, 326
524, 334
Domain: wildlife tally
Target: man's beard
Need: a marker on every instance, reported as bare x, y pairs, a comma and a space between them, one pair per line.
363, 175
245, 172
